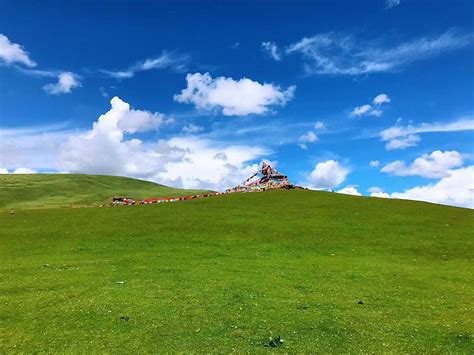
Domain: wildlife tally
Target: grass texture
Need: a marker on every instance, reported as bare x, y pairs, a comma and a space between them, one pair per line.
285, 271
26, 191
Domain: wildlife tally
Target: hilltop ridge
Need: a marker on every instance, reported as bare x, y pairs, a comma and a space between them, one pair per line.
76, 190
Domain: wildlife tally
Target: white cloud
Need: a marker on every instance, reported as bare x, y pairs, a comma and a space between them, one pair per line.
369, 110
234, 97
376, 113
327, 175
220, 156
334, 54
309, 137
272, 50
24, 171
380, 195
66, 82
129, 120
366, 110
33, 147
210, 165
403, 142
172, 60
103, 92
105, 150
435, 165
378, 192
40, 73
3, 171
191, 128
381, 99
319, 126
13, 53
188, 162
11, 155
361, 110
374, 163
400, 137
456, 189
349, 190
120, 74
374, 189
391, 3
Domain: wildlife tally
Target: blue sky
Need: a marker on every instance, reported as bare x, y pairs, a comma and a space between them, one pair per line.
362, 97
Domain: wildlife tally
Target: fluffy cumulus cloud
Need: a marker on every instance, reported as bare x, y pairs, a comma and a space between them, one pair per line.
106, 150
210, 165
66, 82
456, 189
327, 175
232, 97
349, 190
455, 184
434, 165
401, 137
374, 163
11, 53
333, 54
272, 50
373, 109
189, 162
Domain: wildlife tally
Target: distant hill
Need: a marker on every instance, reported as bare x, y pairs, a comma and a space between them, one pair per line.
76, 190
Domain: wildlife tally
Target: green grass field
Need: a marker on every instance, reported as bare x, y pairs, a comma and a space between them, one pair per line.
73, 190
326, 272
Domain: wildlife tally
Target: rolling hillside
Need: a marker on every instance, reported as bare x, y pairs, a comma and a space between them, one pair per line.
75, 190
325, 272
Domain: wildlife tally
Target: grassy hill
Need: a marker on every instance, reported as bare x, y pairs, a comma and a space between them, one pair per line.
326, 272
75, 190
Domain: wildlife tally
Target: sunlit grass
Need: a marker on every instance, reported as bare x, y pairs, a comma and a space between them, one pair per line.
325, 272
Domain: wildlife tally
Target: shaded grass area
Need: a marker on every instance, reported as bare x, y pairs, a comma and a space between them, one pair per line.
75, 190
326, 272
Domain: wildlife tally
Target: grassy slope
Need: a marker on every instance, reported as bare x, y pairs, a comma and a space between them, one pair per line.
225, 273
71, 190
